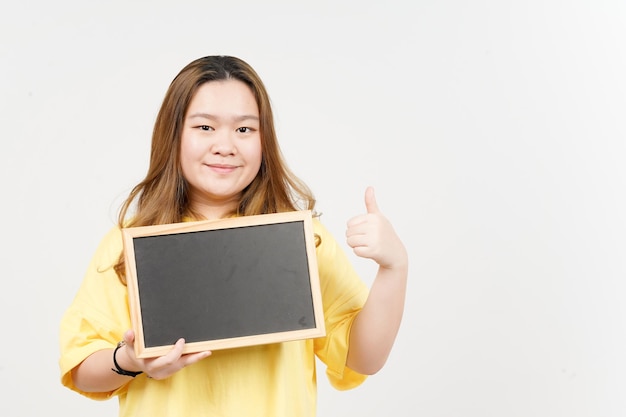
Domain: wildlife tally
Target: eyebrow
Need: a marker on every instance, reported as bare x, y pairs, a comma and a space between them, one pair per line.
213, 117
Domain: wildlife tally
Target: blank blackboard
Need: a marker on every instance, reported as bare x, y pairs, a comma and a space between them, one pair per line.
222, 284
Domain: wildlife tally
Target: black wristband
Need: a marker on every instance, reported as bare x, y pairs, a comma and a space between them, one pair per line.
118, 369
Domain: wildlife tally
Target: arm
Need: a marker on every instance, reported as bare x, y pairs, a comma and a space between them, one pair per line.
95, 373
376, 326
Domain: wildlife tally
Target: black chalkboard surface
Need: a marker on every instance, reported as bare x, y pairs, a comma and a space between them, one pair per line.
224, 283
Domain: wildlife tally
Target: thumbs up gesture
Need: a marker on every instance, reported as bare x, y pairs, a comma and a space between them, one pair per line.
372, 236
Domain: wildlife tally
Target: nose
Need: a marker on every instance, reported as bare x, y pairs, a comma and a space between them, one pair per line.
223, 142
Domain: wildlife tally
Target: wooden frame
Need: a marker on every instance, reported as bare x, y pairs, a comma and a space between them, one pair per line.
222, 284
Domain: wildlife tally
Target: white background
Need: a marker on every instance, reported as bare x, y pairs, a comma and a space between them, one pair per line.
493, 131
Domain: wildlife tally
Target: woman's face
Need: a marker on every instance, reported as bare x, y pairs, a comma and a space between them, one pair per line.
220, 146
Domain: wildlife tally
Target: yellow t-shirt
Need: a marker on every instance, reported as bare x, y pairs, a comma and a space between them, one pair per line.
277, 380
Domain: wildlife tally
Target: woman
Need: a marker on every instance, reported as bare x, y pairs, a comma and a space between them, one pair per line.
215, 154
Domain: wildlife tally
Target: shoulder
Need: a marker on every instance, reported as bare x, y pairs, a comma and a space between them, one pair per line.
113, 239
319, 227
326, 238
109, 248
327, 246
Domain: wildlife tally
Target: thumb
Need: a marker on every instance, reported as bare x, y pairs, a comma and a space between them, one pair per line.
129, 337
370, 200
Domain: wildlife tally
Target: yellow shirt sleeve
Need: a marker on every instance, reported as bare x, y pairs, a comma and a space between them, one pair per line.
98, 316
343, 296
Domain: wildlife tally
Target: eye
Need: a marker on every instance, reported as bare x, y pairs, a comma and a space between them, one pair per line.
205, 127
244, 130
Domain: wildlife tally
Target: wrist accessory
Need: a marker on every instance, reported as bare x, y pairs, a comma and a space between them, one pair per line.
118, 369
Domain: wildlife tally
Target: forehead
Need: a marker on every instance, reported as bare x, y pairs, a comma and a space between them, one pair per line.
224, 96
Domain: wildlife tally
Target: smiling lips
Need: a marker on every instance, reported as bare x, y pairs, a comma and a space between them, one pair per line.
222, 168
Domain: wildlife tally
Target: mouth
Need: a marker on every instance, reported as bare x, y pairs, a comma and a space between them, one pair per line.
222, 168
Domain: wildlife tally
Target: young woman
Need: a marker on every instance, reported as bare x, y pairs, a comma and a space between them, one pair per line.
215, 154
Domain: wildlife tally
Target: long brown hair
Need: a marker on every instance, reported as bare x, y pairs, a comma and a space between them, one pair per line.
162, 197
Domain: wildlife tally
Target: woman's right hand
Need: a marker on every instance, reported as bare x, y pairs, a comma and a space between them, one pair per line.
163, 366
